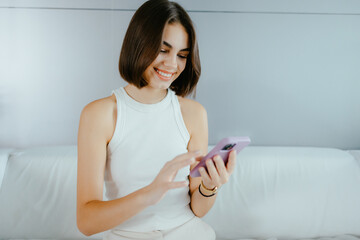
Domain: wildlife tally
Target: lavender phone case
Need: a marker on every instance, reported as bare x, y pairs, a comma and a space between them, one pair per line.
223, 148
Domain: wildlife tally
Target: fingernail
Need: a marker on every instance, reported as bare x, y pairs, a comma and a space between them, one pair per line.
192, 160
197, 152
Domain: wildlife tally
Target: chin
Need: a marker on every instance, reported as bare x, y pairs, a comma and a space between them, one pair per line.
164, 87
161, 85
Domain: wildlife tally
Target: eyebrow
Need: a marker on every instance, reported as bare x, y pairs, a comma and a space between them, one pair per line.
182, 50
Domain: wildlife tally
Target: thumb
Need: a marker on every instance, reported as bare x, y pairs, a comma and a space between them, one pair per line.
199, 156
198, 159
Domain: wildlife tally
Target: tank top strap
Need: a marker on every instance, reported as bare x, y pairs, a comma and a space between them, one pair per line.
179, 118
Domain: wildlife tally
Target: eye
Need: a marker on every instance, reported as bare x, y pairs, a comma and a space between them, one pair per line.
182, 56
163, 51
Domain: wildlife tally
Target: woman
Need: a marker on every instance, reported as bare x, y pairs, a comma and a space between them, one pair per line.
144, 138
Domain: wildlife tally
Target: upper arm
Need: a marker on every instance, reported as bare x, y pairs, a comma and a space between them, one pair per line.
95, 130
198, 129
195, 117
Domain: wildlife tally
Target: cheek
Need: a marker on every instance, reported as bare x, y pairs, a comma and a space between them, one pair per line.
156, 62
182, 65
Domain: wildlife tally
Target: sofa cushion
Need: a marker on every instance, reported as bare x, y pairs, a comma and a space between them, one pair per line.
38, 196
289, 193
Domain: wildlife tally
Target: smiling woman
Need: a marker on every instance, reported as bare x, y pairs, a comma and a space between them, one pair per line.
144, 139
164, 37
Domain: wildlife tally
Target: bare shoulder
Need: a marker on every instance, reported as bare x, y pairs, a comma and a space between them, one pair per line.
100, 105
192, 107
194, 114
101, 115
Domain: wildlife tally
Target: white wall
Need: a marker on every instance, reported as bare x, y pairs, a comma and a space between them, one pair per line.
282, 72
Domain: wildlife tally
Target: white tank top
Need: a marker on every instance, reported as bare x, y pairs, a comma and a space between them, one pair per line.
146, 136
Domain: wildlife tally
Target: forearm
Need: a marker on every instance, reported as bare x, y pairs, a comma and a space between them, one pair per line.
99, 216
199, 204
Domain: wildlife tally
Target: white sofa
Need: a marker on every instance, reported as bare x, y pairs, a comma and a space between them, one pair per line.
274, 193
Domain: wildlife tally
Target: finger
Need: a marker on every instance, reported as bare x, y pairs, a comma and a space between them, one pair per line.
219, 163
232, 162
213, 173
198, 158
220, 166
197, 161
180, 184
184, 163
179, 163
204, 175
190, 154
185, 156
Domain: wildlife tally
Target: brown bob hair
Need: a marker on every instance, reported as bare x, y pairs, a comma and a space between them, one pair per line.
143, 40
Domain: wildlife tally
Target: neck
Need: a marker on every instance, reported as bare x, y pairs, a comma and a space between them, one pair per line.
146, 94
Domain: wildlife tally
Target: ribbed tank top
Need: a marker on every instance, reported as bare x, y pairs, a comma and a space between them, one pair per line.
146, 136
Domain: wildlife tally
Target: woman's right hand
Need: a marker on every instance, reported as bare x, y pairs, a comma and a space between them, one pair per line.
164, 181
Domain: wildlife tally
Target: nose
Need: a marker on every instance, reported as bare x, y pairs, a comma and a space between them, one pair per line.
170, 61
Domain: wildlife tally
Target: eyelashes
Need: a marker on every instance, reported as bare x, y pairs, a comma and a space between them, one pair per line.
180, 56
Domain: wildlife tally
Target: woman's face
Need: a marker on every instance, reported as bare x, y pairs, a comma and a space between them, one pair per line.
171, 60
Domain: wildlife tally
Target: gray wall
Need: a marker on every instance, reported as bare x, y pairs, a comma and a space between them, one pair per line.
282, 72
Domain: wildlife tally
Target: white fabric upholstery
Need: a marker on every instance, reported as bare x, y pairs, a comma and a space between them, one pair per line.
289, 193
4, 156
275, 193
356, 154
38, 196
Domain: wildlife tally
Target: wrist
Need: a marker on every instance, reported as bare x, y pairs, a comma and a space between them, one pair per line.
148, 197
206, 192
207, 187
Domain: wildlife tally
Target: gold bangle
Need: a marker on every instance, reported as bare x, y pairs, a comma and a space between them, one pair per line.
212, 194
214, 190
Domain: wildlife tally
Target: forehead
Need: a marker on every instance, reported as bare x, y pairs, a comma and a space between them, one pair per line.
175, 34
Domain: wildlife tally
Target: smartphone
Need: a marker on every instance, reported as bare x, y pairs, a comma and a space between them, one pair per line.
223, 148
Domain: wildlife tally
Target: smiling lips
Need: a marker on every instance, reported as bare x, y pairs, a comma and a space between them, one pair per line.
164, 75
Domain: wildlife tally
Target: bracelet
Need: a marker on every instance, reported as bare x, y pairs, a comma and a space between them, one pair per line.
204, 194
212, 191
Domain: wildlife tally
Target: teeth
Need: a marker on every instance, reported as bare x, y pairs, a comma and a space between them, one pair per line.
164, 74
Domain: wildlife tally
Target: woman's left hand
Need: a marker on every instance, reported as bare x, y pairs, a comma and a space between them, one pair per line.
217, 173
